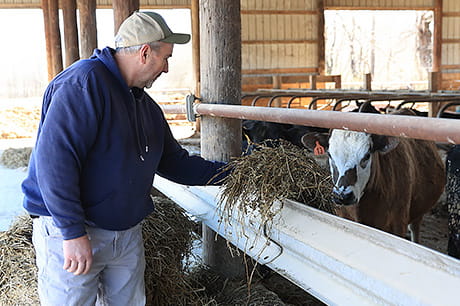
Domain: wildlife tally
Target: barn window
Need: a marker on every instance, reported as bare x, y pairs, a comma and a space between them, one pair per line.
394, 46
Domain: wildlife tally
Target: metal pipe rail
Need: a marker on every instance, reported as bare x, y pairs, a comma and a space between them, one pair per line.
436, 129
361, 94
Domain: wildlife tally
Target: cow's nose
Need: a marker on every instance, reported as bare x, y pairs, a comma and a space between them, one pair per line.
344, 198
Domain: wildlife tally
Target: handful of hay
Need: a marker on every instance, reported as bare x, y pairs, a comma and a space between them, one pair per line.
272, 174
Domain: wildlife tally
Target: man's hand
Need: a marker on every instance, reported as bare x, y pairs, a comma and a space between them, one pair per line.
78, 255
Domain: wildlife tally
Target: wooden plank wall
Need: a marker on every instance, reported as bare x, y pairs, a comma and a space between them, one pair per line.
450, 63
279, 39
279, 35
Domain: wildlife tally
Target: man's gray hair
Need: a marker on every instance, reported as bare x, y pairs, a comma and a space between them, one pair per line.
155, 45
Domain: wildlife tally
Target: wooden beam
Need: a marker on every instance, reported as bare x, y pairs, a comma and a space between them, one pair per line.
195, 13
308, 70
435, 83
279, 12
69, 13
367, 82
321, 38
437, 36
54, 36
379, 8
291, 41
122, 9
49, 56
220, 35
88, 28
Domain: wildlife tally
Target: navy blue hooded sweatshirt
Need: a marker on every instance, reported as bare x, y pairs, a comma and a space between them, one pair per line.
98, 147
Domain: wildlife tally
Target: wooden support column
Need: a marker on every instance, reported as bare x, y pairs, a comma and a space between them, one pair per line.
88, 28
121, 10
69, 12
220, 66
53, 36
49, 56
434, 107
437, 36
313, 82
321, 38
367, 81
195, 14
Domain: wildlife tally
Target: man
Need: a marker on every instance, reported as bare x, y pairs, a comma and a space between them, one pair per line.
100, 141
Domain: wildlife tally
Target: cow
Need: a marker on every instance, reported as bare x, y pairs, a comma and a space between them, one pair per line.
385, 182
269, 132
453, 200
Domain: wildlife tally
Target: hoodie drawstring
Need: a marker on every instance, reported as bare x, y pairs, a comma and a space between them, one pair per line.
139, 146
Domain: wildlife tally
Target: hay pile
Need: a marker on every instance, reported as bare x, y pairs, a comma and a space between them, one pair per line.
168, 237
15, 158
261, 180
18, 273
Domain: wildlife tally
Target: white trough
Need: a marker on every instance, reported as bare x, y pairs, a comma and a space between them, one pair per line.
338, 261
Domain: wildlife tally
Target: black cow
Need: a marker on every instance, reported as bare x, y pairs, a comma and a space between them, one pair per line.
269, 132
453, 200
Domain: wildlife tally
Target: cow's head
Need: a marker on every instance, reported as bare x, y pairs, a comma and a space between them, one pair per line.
350, 159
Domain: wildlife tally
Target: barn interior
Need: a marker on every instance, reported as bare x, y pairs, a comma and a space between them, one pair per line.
278, 56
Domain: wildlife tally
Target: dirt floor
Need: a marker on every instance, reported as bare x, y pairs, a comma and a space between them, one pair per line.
21, 122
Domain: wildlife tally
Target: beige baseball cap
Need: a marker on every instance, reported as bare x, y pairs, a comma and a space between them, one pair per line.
145, 27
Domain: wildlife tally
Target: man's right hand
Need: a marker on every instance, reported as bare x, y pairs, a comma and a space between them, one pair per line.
78, 255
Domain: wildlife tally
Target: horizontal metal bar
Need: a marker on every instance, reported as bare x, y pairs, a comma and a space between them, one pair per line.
360, 93
338, 261
436, 129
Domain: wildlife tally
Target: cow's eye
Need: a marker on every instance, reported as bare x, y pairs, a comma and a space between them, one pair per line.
364, 160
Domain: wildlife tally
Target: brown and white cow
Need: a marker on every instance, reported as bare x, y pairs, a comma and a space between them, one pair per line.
385, 182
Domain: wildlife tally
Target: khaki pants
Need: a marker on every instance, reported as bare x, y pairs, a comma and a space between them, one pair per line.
116, 276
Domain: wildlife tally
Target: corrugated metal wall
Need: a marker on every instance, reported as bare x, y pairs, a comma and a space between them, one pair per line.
280, 35
100, 3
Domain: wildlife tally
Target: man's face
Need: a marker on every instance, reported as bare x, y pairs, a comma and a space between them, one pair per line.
156, 63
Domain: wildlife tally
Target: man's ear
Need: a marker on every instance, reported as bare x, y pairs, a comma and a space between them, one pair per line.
144, 52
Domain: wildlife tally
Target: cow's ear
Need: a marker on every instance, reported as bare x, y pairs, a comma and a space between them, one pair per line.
311, 140
384, 144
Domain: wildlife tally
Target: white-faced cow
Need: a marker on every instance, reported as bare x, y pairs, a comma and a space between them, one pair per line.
385, 182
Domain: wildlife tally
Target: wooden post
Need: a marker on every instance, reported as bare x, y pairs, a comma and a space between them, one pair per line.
220, 66
434, 107
195, 14
69, 12
313, 82
437, 36
121, 10
49, 56
368, 81
321, 39
88, 28
53, 36
277, 82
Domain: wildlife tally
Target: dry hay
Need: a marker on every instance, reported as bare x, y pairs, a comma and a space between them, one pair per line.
229, 292
271, 174
19, 122
15, 157
18, 273
168, 236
